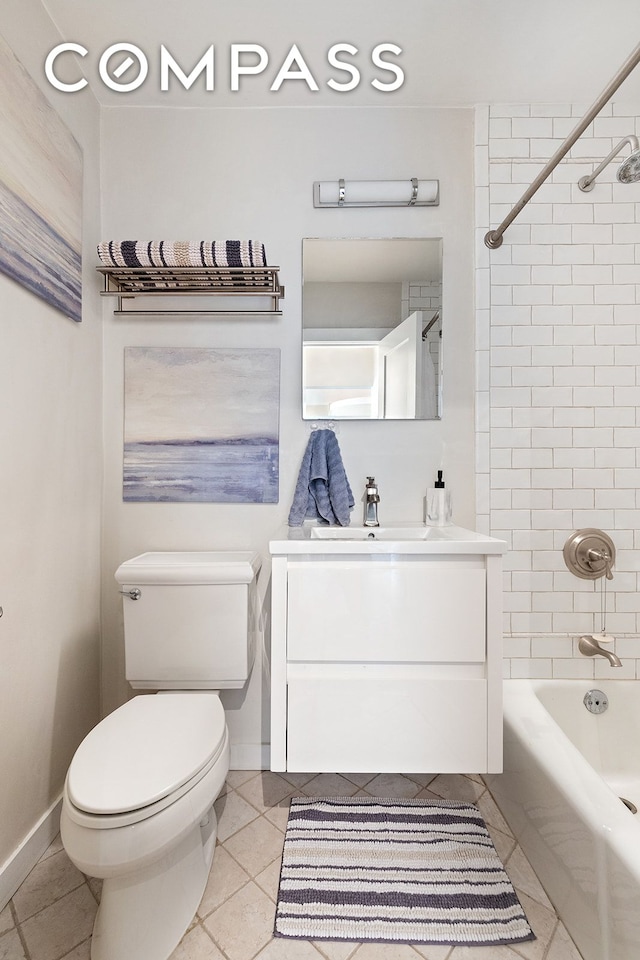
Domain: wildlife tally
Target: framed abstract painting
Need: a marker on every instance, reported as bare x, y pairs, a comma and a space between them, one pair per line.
40, 192
201, 425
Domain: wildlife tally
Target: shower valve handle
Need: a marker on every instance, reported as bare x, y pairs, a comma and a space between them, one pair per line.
590, 554
601, 556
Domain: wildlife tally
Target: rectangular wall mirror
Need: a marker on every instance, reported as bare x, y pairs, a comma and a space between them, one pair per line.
372, 329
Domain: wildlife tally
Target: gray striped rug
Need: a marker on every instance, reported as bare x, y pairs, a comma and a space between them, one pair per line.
405, 871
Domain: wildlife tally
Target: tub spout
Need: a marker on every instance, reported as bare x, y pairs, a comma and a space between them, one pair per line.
590, 647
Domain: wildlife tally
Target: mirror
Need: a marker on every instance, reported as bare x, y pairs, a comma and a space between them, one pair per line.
371, 329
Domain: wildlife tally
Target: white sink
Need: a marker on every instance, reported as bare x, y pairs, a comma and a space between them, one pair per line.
374, 533
394, 538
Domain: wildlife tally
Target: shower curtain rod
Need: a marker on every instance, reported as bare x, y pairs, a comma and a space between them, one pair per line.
493, 238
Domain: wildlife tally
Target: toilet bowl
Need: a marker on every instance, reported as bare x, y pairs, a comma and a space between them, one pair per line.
152, 847
137, 808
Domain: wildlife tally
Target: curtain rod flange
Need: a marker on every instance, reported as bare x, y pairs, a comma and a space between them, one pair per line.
493, 239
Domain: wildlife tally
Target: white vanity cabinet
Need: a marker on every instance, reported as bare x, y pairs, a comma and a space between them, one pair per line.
386, 656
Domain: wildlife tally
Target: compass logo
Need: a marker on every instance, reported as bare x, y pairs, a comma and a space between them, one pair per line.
124, 67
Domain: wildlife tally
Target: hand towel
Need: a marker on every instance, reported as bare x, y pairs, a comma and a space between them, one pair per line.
322, 490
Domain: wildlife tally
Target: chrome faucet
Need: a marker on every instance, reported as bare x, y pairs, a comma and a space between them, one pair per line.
590, 647
371, 501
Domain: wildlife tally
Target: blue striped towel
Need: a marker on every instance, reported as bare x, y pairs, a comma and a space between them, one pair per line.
182, 253
322, 491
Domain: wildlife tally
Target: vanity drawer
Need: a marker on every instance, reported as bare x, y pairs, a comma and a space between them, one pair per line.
376, 724
419, 610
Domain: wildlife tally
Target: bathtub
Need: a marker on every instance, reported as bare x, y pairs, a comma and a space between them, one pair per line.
565, 770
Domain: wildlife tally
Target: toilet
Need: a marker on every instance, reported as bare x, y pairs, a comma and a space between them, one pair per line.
137, 808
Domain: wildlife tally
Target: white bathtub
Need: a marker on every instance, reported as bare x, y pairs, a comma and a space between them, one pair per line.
564, 771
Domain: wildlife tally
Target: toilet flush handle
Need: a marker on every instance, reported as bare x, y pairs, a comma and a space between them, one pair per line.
133, 594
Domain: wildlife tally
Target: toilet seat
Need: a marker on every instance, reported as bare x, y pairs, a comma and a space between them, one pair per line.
111, 821
143, 756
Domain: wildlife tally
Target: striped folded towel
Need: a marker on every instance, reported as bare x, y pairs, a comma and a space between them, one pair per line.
182, 253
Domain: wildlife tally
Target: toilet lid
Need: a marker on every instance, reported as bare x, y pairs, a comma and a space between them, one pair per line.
145, 750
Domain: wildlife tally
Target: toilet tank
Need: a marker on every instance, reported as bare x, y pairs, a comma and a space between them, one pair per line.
194, 623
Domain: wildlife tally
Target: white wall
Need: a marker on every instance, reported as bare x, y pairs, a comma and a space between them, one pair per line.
185, 174
352, 304
50, 481
559, 378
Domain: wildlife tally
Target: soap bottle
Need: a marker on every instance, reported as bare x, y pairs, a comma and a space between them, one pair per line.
438, 504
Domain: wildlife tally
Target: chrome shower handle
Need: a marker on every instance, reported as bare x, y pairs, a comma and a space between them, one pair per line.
133, 593
590, 554
603, 557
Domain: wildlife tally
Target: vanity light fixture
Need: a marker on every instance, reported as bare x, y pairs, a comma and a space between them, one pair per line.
376, 193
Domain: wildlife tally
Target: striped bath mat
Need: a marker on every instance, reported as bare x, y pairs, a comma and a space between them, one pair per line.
405, 871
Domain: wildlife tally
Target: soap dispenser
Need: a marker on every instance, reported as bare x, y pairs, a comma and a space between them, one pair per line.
438, 504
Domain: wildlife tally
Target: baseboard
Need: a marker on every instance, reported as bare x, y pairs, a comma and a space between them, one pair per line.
249, 756
24, 858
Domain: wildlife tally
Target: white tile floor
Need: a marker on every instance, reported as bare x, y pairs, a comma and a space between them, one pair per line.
51, 915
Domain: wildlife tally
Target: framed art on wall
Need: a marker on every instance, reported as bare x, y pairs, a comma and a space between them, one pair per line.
201, 425
40, 192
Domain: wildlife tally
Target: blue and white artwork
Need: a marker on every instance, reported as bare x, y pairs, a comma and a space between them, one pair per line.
40, 192
201, 425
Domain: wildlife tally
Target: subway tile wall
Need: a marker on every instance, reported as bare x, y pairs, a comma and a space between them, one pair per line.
558, 382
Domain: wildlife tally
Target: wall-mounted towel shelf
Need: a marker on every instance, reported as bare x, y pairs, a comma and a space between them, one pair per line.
127, 283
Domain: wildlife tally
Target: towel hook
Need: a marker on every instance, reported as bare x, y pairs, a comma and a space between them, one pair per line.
323, 425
